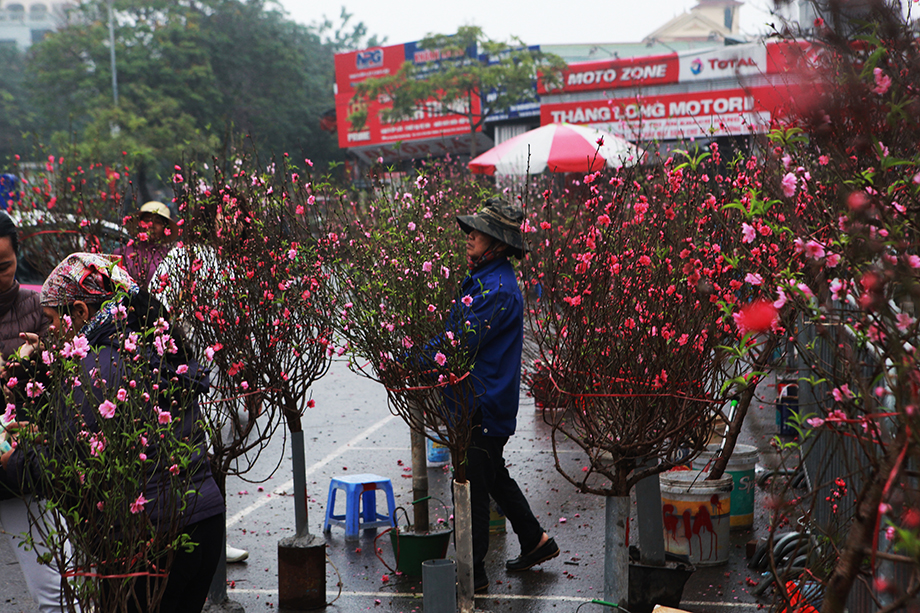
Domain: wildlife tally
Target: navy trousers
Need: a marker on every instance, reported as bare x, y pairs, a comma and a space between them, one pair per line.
488, 476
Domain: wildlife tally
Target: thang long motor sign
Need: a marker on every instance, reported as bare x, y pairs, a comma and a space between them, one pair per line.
715, 113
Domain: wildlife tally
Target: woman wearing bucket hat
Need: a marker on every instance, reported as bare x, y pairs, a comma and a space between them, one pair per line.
154, 232
496, 310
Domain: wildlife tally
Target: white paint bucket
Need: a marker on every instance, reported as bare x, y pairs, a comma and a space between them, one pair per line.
697, 516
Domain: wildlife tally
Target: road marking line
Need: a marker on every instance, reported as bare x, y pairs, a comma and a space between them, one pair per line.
258, 504
747, 605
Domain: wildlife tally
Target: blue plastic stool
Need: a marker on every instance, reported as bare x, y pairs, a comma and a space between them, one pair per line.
357, 487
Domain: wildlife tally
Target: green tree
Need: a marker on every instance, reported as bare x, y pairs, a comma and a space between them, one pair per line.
469, 67
192, 76
14, 107
167, 90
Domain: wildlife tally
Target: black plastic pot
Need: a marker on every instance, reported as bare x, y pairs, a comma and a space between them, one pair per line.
653, 585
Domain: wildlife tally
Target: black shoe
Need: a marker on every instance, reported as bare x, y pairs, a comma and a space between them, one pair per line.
481, 583
546, 551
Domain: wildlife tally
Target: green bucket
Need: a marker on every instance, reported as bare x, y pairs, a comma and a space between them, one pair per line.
412, 549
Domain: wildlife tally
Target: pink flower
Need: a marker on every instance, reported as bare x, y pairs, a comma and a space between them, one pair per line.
445, 271
47, 357
823, 160
138, 505
789, 183
440, 358
913, 261
882, 82
182, 369
131, 342
107, 409
832, 260
748, 233
838, 289
905, 321
467, 300
163, 417
411, 226
815, 422
426, 266
842, 393
96, 444
432, 308
210, 351
78, 348
10, 413
753, 278
600, 141
645, 260
121, 394
781, 301
407, 342
34, 389
165, 344
759, 316
572, 300
174, 469
814, 249
120, 313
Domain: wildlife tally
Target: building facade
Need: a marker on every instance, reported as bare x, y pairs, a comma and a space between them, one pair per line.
24, 22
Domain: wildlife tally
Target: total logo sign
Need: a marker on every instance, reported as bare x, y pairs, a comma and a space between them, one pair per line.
724, 63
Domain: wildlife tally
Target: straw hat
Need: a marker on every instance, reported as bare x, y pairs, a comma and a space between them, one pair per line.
156, 208
502, 221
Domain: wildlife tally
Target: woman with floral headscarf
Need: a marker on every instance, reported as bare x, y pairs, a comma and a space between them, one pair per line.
102, 318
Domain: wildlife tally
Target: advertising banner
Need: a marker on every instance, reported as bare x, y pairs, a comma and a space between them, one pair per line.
727, 112
409, 149
616, 73
733, 61
724, 63
433, 120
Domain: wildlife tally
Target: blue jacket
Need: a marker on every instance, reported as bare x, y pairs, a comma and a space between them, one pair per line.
496, 337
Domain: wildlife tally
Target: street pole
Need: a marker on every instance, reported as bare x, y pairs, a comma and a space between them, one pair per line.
112, 54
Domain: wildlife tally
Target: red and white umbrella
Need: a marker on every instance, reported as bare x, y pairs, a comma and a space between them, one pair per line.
558, 147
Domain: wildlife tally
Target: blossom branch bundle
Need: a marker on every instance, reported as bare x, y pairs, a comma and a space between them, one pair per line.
399, 263
849, 189
104, 530
250, 288
633, 292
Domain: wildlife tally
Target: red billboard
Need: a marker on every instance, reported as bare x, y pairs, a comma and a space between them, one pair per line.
433, 120
676, 116
616, 73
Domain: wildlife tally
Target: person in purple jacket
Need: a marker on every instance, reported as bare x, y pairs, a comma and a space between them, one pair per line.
104, 306
491, 301
154, 233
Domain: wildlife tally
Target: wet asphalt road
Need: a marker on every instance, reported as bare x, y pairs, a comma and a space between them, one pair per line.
351, 431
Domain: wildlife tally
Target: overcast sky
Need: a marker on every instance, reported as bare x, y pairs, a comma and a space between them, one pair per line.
533, 21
